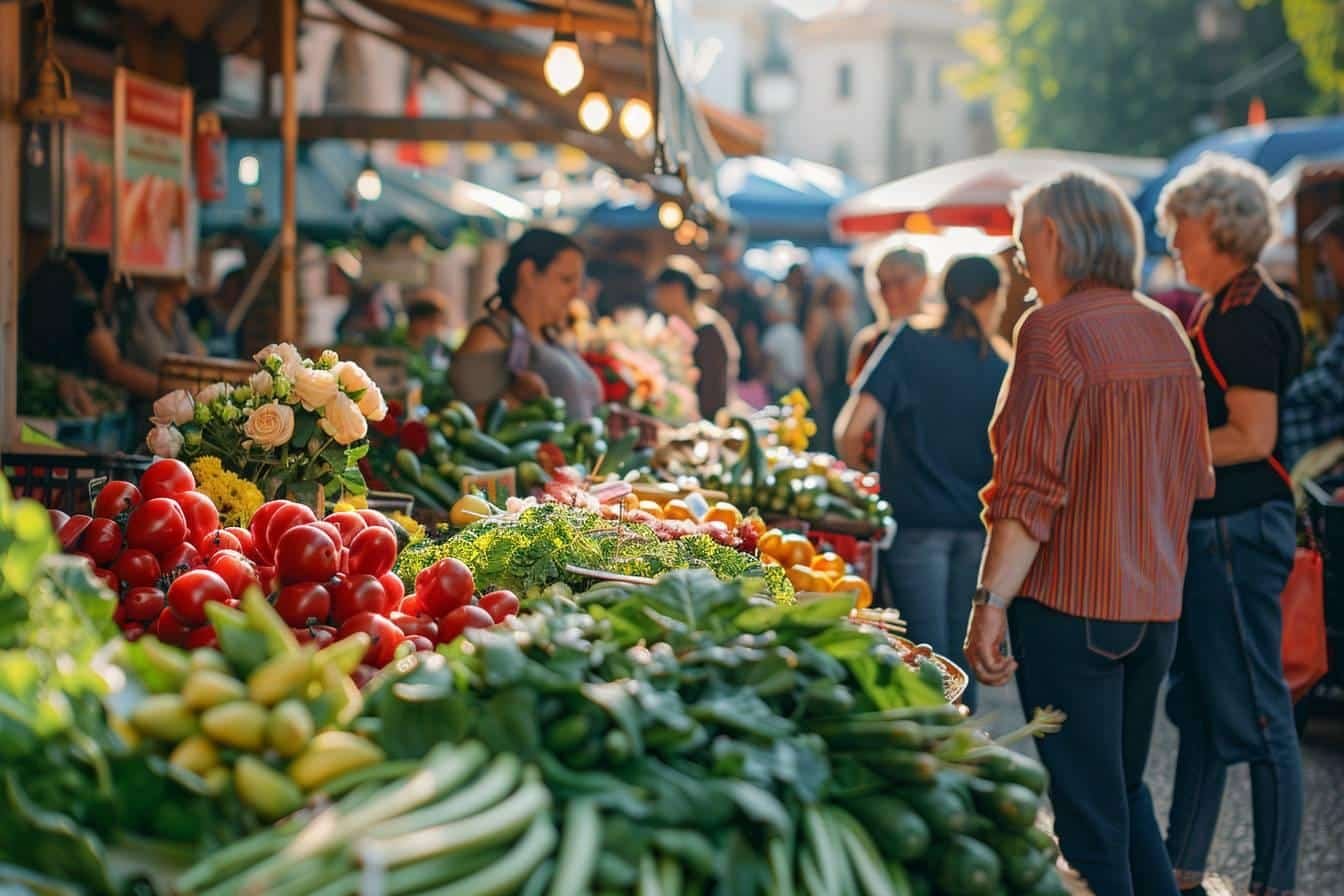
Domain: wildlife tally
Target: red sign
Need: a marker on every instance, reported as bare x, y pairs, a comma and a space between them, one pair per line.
88, 176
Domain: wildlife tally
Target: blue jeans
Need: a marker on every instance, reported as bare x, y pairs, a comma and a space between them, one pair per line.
1106, 677
930, 576
1228, 696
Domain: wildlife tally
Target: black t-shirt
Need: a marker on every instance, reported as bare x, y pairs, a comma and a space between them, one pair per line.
1254, 336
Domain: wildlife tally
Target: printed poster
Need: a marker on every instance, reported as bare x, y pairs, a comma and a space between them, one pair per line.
152, 176
88, 176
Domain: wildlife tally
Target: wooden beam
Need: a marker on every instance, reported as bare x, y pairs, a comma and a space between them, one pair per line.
460, 13
289, 297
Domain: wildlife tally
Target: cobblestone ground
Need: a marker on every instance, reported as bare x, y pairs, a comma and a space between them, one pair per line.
1321, 861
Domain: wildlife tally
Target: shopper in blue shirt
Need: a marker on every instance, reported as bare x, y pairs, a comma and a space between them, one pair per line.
935, 392
1313, 407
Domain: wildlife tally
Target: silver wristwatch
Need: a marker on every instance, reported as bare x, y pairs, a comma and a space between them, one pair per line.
984, 596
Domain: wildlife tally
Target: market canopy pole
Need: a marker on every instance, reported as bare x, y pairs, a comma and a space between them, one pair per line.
289, 133
11, 21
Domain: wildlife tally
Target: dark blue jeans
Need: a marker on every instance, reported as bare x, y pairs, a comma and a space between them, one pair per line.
1106, 676
930, 576
1228, 696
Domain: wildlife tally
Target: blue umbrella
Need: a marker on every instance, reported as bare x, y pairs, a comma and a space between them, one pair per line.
1270, 146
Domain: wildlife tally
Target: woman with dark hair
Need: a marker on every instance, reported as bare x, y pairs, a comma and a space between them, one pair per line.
935, 391
514, 351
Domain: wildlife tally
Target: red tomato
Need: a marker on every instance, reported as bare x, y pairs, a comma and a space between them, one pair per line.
411, 606
133, 631
58, 519
386, 636
190, 592
237, 571
117, 498
392, 584
143, 604
287, 518
72, 530
216, 541
374, 518
349, 522
120, 616
137, 567
260, 521
158, 526
184, 556
202, 517
306, 603
332, 532
305, 554
444, 586
500, 605
202, 637
109, 579
344, 561
415, 625
420, 642
373, 551
166, 477
461, 619
353, 595
246, 543
102, 542
171, 630
270, 582
321, 635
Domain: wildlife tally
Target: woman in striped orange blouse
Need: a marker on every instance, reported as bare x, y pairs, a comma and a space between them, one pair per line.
1100, 448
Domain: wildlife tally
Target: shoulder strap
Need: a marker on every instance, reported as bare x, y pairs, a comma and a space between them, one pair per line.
1217, 373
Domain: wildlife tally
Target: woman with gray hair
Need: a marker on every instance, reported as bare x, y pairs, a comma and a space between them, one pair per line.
1100, 449
1228, 696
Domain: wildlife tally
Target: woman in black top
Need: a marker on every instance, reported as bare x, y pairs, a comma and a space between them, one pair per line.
1228, 696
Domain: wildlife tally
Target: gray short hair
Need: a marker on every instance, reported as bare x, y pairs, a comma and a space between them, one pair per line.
1232, 192
1100, 233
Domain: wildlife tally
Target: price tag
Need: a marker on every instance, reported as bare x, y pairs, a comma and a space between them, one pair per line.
96, 485
498, 486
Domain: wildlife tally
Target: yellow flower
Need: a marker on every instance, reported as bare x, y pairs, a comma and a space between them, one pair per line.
413, 528
235, 498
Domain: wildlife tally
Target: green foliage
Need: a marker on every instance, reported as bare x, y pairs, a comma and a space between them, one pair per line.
1318, 28
1131, 76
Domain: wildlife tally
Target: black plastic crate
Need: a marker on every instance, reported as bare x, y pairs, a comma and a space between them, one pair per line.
61, 481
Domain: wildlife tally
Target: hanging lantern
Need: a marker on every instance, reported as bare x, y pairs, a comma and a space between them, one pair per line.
563, 67
636, 119
595, 112
369, 183
670, 215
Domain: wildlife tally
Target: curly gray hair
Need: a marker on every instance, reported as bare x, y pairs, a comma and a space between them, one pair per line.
1233, 194
1101, 237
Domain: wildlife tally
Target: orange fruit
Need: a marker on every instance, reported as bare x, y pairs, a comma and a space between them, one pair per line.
804, 579
770, 542
755, 524
677, 509
796, 550
830, 563
769, 560
653, 508
856, 584
725, 513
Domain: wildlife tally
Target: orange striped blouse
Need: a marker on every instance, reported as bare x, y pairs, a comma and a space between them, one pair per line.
1101, 446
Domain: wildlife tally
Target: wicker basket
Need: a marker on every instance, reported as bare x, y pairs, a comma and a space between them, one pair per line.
193, 374
61, 481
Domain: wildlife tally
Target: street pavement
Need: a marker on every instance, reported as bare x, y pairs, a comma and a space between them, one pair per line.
1321, 860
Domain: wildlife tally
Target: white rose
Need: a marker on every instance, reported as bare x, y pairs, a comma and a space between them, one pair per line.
291, 362
213, 392
315, 388
371, 404
353, 377
175, 407
262, 383
270, 425
344, 421
329, 359
164, 440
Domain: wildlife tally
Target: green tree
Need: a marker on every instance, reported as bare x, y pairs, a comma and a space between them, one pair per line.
1318, 28
1129, 76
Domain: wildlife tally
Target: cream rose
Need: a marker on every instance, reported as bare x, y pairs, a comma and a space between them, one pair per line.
262, 383
270, 425
164, 440
291, 362
315, 388
371, 404
213, 392
353, 378
175, 407
344, 421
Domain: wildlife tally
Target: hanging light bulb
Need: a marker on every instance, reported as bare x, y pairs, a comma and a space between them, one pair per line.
37, 154
369, 184
595, 112
636, 119
249, 171
685, 232
564, 65
701, 239
670, 215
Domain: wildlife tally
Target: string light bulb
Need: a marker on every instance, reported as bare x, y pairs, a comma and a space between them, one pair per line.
369, 183
249, 171
595, 112
670, 215
563, 67
636, 119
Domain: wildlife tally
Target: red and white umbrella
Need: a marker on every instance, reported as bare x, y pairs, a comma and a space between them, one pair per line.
971, 193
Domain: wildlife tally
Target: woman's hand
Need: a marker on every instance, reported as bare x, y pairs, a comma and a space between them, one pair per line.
528, 386
984, 646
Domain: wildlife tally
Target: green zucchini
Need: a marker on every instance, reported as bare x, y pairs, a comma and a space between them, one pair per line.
903, 834
446, 493
439, 449
1011, 806
943, 808
905, 767
408, 465
422, 497
494, 416
529, 431
966, 867
1048, 885
1023, 864
478, 444
531, 476
523, 452
1009, 766
466, 416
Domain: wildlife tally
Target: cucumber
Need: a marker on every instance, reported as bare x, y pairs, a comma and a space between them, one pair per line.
903, 834
439, 449
1023, 864
966, 867
529, 431
943, 808
531, 476
1009, 766
1048, 885
422, 497
445, 493
532, 412
905, 767
408, 465
466, 416
1011, 806
523, 452
478, 444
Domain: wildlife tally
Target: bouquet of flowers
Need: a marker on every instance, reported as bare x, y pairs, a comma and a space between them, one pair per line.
296, 426
648, 360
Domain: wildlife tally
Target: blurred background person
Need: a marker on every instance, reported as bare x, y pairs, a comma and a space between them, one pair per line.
785, 353
677, 294
830, 331
895, 280
426, 322
1313, 407
742, 306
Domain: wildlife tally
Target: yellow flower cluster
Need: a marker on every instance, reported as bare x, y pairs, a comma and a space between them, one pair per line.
234, 497
412, 527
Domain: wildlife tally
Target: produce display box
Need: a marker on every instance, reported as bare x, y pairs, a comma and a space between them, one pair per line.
856, 542
61, 481
193, 374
